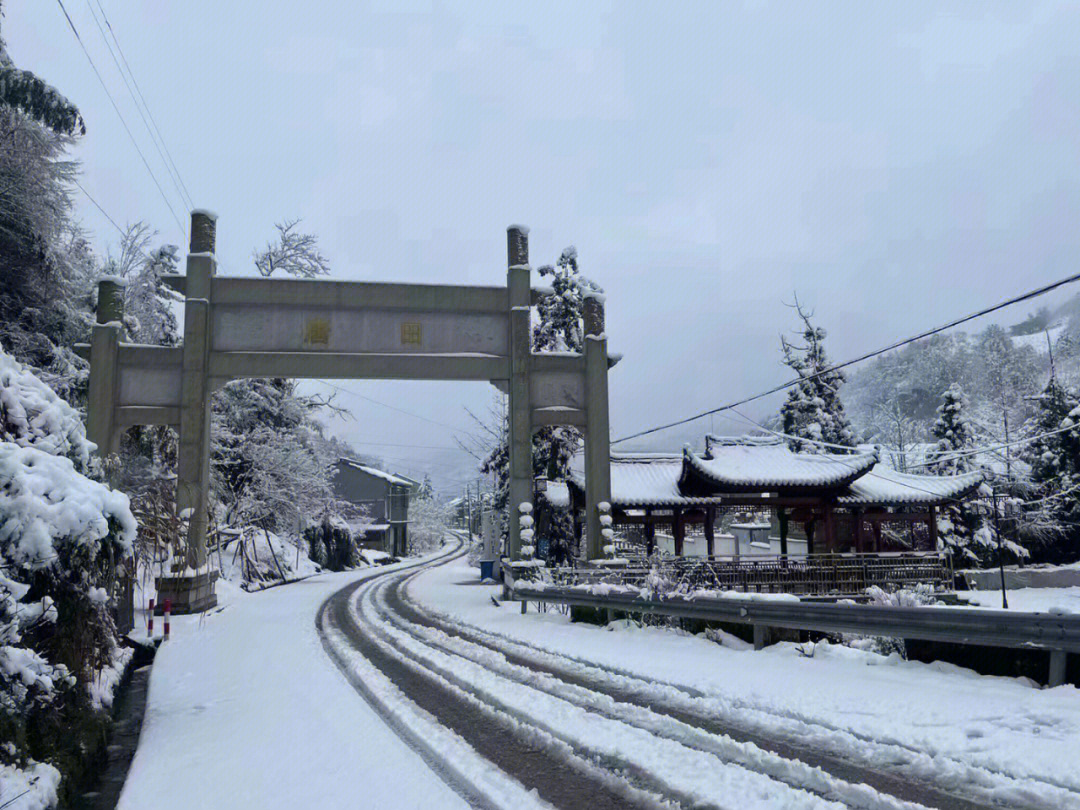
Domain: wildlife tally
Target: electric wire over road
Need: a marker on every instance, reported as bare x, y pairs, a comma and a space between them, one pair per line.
1027, 296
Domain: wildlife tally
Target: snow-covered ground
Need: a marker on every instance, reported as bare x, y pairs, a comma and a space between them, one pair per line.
1033, 600
996, 738
246, 710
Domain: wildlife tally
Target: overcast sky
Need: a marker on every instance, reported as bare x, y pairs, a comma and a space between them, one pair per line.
895, 164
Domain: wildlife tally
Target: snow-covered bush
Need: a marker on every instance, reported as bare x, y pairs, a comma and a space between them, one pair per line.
32, 415
331, 544
62, 537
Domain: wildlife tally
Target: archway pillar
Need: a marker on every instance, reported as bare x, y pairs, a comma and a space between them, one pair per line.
519, 298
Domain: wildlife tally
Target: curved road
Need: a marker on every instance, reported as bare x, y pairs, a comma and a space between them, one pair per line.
497, 697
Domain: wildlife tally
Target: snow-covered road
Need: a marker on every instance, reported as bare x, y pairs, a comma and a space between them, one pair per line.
449, 699
246, 710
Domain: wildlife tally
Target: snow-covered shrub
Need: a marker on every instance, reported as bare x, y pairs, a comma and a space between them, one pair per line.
32, 415
331, 544
918, 596
62, 537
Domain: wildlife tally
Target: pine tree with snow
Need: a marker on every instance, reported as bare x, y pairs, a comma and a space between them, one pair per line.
953, 433
957, 522
813, 410
1052, 518
425, 492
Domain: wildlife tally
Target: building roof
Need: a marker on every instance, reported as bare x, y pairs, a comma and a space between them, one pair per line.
754, 463
883, 486
646, 479
766, 466
393, 479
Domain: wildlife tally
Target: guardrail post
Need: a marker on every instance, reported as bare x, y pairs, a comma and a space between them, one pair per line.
1057, 668
761, 636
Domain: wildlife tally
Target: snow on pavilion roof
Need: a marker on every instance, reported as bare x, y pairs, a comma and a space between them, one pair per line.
884, 486
646, 479
754, 463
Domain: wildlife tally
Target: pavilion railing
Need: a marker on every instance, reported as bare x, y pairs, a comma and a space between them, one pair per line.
840, 575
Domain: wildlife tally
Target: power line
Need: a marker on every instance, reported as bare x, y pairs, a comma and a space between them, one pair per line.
393, 407
147, 106
869, 355
138, 108
417, 446
119, 115
97, 205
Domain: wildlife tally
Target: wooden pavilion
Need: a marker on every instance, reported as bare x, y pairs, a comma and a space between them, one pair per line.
844, 502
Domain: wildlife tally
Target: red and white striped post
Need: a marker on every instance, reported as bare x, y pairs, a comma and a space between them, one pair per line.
150, 621
168, 612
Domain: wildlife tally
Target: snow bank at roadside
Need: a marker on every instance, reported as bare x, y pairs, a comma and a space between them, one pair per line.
1033, 600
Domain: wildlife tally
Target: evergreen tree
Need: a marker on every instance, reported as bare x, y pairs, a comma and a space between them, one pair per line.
1052, 519
41, 103
956, 522
46, 265
953, 434
426, 491
813, 409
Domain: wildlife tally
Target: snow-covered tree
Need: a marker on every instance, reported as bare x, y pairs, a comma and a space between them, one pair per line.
813, 409
429, 521
62, 538
426, 491
148, 304
953, 434
21, 90
267, 460
293, 253
957, 522
897, 431
47, 269
1052, 518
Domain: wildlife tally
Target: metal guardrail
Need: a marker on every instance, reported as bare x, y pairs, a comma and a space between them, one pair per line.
991, 628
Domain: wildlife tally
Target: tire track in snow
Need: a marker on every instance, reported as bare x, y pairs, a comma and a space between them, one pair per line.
728, 753
657, 764
530, 758
911, 774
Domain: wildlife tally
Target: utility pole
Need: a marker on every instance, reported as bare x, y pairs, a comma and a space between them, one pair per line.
468, 507
1001, 552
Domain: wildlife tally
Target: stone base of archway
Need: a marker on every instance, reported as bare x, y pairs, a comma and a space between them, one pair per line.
187, 592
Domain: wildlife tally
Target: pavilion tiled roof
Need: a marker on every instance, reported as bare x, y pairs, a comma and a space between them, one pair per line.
752, 465
884, 486
646, 480
755, 463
